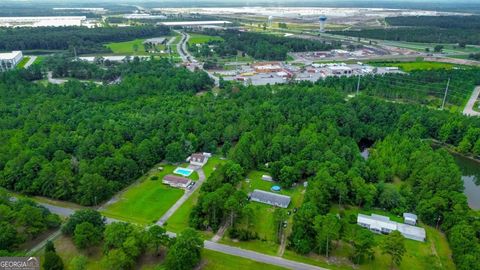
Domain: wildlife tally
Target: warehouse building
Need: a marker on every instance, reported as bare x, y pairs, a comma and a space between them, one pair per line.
10, 60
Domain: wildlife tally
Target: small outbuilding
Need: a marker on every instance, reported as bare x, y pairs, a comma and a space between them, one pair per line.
409, 218
267, 178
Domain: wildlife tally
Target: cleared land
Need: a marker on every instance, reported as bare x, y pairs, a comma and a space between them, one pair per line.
146, 201
132, 47
200, 39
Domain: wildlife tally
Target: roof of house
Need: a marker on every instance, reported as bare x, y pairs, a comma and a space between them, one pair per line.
10, 55
198, 157
176, 179
410, 216
270, 198
406, 229
377, 221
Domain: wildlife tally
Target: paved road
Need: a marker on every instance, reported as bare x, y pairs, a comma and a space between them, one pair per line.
471, 102
55, 81
30, 61
259, 257
190, 60
252, 255
40, 245
186, 195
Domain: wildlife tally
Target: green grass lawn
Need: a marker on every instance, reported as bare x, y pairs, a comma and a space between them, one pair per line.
263, 223
418, 65
127, 47
23, 62
200, 39
255, 182
212, 260
146, 201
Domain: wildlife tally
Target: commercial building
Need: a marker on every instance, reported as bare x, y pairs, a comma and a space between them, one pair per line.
176, 181
267, 67
10, 60
194, 23
270, 198
112, 58
42, 21
144, 16
383, 224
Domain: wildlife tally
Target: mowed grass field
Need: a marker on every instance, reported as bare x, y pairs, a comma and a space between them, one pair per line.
127, 47
146, 201
200, 39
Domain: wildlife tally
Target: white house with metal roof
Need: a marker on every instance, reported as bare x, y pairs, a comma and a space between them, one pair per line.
10, 60
270, 198
409, 218
382, 224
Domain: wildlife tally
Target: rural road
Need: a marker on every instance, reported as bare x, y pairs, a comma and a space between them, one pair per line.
186, 195
30, 61
252, 255
189, 59
471, 102
54, 81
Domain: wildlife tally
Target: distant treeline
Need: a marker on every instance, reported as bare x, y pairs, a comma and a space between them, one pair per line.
266, 47
84, 40
427, 29
445, 22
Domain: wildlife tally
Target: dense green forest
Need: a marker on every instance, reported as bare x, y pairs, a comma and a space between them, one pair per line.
124, 243
426, 87
456, 22
259, 46
83, 142
427, 29
85, 40
20, 221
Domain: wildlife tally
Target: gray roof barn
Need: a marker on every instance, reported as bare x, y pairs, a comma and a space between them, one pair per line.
270, 198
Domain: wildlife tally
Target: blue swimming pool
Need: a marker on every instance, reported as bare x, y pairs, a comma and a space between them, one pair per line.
183, 171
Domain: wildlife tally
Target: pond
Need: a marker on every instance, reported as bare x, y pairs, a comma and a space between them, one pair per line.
471, 179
